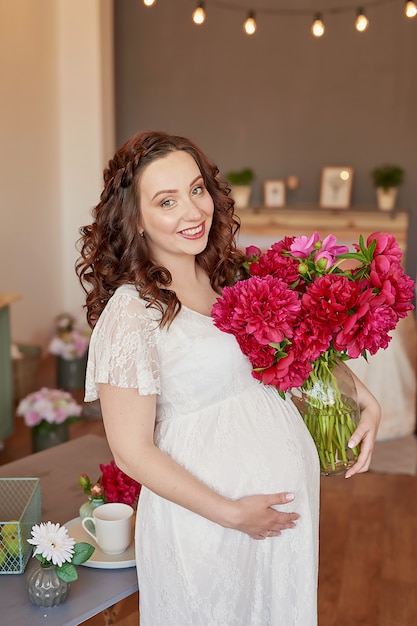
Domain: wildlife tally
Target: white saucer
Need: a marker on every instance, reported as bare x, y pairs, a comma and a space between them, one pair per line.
98, 559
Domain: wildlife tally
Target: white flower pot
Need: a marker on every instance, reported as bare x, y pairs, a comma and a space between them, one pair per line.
241, 195
386, 198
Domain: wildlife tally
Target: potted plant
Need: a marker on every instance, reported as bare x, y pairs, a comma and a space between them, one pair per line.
387, 179
48, 412
70, 345
240, 186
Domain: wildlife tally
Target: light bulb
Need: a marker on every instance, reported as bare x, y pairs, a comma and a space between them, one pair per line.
149, 3
410, 9
362, 21
250, 25
199, 15
318, 27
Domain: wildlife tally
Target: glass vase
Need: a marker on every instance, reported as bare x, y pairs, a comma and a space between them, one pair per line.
46, 435
327, 402
71, 372
45, 588
86, 510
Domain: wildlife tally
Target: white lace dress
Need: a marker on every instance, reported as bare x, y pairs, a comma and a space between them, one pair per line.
235, 435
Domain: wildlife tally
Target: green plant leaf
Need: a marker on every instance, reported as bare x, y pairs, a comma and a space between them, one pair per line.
82, 552
67, 572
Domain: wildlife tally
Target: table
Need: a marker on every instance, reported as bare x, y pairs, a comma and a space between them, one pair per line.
96, 589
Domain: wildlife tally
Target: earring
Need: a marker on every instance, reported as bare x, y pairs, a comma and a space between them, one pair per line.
142, 234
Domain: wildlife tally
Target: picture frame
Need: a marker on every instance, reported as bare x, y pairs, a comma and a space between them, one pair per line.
274, 193
336, 187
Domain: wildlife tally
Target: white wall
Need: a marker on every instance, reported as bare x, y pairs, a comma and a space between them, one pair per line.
57, 132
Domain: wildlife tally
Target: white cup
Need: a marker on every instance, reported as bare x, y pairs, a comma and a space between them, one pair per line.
113, 527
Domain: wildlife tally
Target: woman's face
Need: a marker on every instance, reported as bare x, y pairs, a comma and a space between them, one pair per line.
175, 207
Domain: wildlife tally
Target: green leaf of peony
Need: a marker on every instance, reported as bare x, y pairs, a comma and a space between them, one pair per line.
82, 552
67, 572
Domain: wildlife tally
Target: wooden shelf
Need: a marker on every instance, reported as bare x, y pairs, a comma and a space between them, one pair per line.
347, 225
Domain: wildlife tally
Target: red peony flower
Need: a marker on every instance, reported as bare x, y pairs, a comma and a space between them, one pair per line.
329, 299
260, 355
118, 486
386, 245
276, 262
311, 339
369, 333
263, 307
285, 373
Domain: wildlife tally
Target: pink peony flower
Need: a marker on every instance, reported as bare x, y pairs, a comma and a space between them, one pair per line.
303, 246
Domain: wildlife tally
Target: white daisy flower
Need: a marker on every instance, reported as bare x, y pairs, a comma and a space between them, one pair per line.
52, 543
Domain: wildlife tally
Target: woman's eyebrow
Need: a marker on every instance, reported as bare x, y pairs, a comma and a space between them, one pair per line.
175, 190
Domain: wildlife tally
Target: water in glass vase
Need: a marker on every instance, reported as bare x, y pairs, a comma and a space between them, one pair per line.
327, 402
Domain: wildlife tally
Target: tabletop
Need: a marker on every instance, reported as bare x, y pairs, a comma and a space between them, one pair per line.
61, 496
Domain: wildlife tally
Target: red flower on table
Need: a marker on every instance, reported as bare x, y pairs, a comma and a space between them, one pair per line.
118, 486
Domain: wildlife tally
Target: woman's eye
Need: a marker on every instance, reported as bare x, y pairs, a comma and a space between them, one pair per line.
167, 203
197, 190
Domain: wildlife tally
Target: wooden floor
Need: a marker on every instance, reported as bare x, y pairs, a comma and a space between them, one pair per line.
368, 543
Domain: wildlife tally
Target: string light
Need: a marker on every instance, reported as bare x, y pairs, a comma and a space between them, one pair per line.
410, 9
250, 25
199, 15
362, 21
318, 28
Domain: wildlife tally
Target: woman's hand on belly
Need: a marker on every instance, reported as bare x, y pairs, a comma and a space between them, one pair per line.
255, 516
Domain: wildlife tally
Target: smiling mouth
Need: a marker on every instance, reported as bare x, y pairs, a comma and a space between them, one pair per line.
195, 232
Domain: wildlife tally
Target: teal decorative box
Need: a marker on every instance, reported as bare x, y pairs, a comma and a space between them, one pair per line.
20, 509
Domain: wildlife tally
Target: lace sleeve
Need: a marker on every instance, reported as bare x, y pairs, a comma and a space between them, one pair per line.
123, 347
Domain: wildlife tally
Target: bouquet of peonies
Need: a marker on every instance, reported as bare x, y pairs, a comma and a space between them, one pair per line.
72, 337
112, 486
48, 407
302, 309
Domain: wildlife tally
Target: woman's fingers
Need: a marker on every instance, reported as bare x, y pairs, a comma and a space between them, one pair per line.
258, 517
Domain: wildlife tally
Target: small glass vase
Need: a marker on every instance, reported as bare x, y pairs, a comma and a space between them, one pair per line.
86, 510
327, 402
46, 435
45, 588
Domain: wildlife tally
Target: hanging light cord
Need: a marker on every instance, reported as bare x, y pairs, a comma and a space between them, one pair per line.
298, 12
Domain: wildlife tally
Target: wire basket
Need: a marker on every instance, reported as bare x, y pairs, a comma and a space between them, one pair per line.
26, 370
20, 509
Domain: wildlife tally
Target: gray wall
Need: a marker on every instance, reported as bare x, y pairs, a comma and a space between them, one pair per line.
281, 102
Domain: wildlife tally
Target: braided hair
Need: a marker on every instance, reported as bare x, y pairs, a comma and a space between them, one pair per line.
113, 253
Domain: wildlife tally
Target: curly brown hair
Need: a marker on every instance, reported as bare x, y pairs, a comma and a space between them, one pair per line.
112, 251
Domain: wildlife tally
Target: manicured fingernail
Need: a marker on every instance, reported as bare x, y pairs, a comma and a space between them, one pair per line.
351, 444
289, 497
